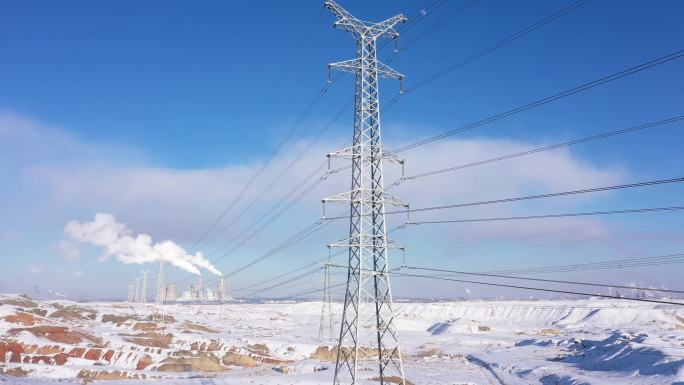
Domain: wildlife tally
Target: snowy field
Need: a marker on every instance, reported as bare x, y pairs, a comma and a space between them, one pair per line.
473, 342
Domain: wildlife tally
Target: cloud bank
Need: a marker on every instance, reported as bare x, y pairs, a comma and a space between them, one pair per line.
118, 241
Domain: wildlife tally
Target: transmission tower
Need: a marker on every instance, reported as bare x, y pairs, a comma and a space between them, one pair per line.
368, 340
161, 291
325, 330
131, 295
221, 295
143, 291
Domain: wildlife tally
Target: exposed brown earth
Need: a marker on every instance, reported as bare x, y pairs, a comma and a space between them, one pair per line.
26, 319
21, 301
58, 334
196, 364
117, 319
144, 362
235, 359
74, 312
212, 346
259, 349
326, 353
393, 380
92, 375
150, 339
147, 326
196, 327
15, 372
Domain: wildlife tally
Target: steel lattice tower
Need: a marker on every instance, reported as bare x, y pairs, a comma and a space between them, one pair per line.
325, 329
368, 341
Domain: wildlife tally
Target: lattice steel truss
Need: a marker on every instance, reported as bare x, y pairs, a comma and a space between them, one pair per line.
325, 329
368, 344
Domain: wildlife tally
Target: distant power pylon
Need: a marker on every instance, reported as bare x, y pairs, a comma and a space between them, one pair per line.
131, 294
368, 342
137, 290
325, 330
161, 291
161, 286
143, 291
221, 296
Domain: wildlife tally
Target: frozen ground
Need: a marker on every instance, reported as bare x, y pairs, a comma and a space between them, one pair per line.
473, 342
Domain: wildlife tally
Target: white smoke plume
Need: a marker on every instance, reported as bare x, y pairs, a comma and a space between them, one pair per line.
119, 241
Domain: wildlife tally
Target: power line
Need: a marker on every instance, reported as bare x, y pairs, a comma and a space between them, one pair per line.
545, 148
539, 289
500, 44
531, 197
269, 188
439, 23
542, 279
275, 86
431, 6
604, 265
290, 272
293, 128
590, 213
307, 232
285, 282
583, 87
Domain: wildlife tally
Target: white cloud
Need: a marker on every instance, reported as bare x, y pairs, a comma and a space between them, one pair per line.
72, 176
68, 250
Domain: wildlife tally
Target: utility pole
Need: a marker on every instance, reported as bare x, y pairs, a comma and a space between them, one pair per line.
325, 330
368, 341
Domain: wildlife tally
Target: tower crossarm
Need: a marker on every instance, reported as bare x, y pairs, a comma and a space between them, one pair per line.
364, 195
364, 28
366, 241
345, 19
386, 28
354, 66
356, 152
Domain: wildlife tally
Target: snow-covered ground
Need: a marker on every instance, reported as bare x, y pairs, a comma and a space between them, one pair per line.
569, 342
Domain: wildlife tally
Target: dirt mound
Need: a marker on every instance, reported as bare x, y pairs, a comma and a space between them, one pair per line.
158, 318
22, 301
15, 372
326, 353
117, 319
146, 326
26, 319
393, 380
92, 375
212, 346
259, 349
58, 334
191, 364
234, 359
150, 339
190, 326
11, 351
144, 362
36, 311
74, 312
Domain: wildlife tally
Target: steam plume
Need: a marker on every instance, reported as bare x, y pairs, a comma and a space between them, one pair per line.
119, 241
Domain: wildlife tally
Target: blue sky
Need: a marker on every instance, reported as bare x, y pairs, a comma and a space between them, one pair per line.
157, 112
